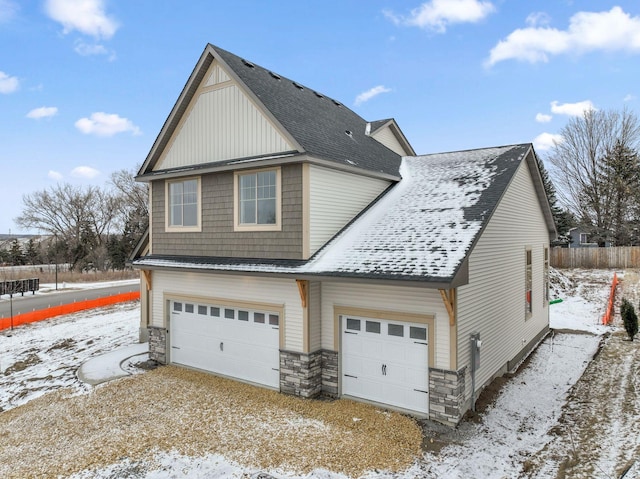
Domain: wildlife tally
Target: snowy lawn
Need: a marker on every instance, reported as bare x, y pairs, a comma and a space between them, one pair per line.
508, 439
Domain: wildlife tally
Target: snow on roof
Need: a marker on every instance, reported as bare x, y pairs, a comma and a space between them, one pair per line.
422, 229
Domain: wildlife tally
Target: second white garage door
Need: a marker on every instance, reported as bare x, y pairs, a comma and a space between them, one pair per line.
386, 362
237, 342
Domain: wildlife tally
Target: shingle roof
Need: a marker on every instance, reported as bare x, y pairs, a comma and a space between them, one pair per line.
421, 230
322, 126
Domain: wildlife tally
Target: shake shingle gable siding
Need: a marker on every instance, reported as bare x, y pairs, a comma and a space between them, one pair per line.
421, 230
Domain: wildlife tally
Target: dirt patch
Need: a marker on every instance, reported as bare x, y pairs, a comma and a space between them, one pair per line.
64, 344
31, 360
196, 414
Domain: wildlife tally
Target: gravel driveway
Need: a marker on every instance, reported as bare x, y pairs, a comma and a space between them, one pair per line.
195, 414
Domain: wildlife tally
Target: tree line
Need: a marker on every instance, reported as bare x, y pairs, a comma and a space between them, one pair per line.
88, 227
596, 167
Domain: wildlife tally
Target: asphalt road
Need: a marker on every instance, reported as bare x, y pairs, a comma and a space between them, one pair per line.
30, 302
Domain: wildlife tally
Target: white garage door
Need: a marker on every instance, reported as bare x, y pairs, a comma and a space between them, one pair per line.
238, 342
386, 362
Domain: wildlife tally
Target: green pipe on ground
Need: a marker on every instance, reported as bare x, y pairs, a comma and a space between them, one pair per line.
555, 301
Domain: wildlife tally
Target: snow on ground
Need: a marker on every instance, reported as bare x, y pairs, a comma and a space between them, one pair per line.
510, 431
584, 295
39, 357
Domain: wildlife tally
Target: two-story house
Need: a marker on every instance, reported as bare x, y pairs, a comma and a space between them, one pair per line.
294, 245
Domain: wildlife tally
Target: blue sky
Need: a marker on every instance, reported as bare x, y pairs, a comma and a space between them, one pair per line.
85, 85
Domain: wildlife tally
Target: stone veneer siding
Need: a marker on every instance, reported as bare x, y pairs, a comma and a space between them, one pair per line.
158, 344
300, 373
446, 395
330, 373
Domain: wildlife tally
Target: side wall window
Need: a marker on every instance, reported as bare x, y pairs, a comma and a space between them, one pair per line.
528, 283
546, 276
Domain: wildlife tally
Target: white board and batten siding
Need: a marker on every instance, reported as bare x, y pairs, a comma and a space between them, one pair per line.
282, 292
411, 300
221, 123
335, 198
493, 303
389, 139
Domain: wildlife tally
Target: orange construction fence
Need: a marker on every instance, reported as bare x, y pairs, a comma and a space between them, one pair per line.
608, 315
39, 315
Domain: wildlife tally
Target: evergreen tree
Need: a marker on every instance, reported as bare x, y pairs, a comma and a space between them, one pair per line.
32, 253
621, 169
16, 257
629, 318
563, 219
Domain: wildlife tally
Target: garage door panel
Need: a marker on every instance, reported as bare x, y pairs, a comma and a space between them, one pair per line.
220, 342
386, 362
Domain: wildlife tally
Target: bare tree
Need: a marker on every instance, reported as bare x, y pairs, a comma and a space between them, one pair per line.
586, 185
80, 217
133, 197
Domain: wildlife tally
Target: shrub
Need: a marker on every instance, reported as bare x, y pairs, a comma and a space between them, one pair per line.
629, 318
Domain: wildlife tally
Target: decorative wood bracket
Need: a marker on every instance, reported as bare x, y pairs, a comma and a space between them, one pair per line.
147, 278
303, 288
449, 300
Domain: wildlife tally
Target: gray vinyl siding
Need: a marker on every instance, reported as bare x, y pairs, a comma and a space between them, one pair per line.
221, 124
493, 303
335, 198
218, 237
221, 288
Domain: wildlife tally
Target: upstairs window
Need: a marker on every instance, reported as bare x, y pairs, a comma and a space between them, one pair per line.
183, 204
583, 238
257, 200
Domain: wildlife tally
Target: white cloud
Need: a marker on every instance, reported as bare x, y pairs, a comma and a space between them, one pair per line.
84, 172
55, 175
369, 94
588, 31
629, 97
106, 124
8, 9
86, 16
572, 109
86, 49
436, 15
536, 19
8, 84
42, 112
546, 141
542, 118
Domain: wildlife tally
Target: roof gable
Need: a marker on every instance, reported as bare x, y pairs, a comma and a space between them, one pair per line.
311, 122
220, 123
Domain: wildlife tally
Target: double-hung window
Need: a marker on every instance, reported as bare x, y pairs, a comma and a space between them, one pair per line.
183, 204
257, 200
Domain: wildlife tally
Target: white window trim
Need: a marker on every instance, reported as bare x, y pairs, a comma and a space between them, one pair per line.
167, 206
237, 226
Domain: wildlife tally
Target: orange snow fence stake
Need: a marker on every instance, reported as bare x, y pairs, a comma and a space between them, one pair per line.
608, 315
47, 313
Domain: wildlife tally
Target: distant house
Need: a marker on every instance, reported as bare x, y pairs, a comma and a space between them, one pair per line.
581, 238
296, 246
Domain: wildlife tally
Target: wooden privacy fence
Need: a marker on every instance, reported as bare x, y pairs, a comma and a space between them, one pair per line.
618, 257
